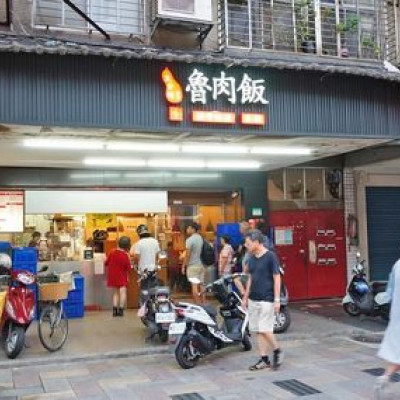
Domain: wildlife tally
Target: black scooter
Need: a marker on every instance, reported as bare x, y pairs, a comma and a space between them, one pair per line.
156, 310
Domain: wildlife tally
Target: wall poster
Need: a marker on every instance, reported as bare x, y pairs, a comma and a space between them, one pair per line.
12, 211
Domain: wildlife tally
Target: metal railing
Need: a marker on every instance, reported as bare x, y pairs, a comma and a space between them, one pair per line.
344, 28
114, 16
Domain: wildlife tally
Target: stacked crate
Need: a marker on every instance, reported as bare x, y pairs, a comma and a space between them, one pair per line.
74, 305
25, 259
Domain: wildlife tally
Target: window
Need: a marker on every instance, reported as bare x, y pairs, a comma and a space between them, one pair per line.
118, 16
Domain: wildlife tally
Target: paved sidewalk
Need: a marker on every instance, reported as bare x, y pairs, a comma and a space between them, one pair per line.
99, 335
334, 367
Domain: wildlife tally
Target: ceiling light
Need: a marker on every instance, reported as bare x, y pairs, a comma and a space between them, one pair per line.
147, 175
198, 176
176, 163
282, 151
94, 176
114, 162
64, 144
217, 148
145, 147
233, 164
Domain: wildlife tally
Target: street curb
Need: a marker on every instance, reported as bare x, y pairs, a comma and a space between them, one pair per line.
359, 335
30, 362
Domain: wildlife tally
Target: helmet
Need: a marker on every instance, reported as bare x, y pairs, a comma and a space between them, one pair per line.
142, 230
361, 287
124, 243
5, 261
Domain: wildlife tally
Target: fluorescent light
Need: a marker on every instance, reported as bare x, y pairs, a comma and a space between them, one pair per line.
114, 162
282, 151
217, 148
73, 144
198, 176
176, 163
145, 147
94, 175
234, 164
146, 175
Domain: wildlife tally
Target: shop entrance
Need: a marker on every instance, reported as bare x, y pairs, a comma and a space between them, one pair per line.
311, 245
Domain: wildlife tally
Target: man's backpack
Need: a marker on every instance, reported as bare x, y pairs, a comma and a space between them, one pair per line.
207, 254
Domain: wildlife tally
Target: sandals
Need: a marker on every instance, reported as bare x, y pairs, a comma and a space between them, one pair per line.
260, 364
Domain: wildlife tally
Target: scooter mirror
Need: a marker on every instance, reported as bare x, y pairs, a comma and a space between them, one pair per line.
44, 268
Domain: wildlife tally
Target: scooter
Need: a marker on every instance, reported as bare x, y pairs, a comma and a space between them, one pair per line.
282, 318
19, 310
156, 310
197, 329
365, 298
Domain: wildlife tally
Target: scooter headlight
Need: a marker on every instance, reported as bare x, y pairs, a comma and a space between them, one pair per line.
25, 278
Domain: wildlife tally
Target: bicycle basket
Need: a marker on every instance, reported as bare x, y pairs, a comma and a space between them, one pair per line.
53, 291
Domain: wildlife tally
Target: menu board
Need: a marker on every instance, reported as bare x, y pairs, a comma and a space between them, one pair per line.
11, 211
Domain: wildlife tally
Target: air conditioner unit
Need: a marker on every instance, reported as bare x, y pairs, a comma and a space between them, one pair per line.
193, 10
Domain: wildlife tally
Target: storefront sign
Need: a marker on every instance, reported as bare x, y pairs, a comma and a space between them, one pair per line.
205, 90
248, 91
11, 211
283, 235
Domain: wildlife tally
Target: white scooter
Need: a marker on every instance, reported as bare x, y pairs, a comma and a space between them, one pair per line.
197, 328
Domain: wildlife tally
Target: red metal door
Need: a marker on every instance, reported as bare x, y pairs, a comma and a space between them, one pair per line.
311, 244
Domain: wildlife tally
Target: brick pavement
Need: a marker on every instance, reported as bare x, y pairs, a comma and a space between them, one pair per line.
332, 366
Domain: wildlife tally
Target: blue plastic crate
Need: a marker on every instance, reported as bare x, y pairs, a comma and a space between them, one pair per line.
5, 247
79, 282
229, 229
76, 296
24, 255
74, 309
29, 267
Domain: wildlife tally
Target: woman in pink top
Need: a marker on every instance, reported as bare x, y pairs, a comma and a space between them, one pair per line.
225, 257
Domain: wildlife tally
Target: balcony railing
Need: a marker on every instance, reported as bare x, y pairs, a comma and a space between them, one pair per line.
344, 28
114, 16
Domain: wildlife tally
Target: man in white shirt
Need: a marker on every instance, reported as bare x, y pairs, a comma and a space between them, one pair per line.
146, 251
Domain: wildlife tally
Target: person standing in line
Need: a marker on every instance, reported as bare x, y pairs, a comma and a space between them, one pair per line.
192, 265
262, 298
225, 257
390, 346
118, 265
146, 251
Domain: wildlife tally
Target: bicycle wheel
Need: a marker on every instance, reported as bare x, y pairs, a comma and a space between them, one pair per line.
53, 327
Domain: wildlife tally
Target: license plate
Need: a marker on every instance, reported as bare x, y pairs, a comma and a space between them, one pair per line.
177, 328
165, 317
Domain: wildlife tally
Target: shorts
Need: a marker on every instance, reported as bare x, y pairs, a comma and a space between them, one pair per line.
261, 316
195, 272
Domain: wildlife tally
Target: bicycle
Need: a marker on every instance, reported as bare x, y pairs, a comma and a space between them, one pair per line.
53, 323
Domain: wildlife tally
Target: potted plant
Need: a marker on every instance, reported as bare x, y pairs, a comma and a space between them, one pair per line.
350, 26
369, 48
305, 26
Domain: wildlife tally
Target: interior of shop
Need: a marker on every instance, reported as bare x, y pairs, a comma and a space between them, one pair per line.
81, 241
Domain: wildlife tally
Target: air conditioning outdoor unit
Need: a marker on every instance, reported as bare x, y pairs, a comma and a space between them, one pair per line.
185, 10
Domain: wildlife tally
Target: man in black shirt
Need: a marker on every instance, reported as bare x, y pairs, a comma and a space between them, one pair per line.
262, 297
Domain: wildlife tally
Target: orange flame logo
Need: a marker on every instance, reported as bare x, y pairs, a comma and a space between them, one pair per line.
173, 89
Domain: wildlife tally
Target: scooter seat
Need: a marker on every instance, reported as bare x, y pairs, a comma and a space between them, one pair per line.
378, 287
211, 311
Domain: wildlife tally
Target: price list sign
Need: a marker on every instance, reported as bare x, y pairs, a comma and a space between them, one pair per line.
11, 211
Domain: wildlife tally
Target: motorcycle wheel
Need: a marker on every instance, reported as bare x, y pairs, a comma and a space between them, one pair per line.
351, 309
183, 354
15, 341
247, 342
282, 321
163, 336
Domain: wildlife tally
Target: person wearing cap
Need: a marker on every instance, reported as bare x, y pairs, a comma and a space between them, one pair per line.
192, 265
118, 265
145, 251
